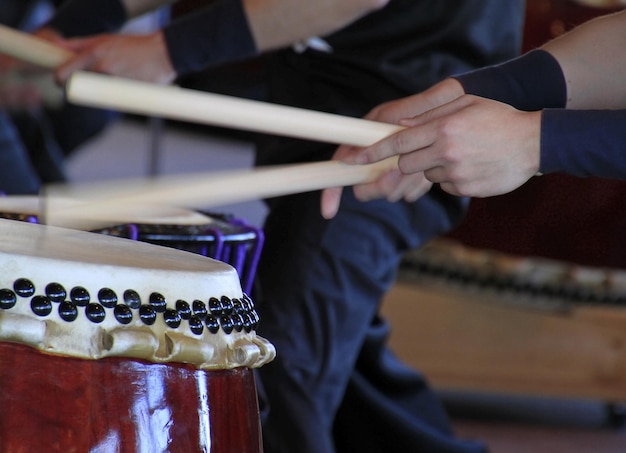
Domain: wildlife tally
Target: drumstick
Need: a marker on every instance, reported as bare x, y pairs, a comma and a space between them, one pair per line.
103, 204
31, 49
132, 96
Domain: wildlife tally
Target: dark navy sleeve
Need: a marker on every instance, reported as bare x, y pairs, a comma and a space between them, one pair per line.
584, 142
88, 17
531, 82
216, 34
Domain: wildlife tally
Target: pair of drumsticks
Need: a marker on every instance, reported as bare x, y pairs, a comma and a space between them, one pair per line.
89, 205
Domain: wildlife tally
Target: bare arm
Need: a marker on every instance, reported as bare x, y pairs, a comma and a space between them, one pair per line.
135, 8
593, 60
279, 23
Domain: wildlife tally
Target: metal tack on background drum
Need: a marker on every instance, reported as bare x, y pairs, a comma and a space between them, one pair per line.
115, 345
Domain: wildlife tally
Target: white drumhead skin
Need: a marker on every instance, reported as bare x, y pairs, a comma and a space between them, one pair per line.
47, 255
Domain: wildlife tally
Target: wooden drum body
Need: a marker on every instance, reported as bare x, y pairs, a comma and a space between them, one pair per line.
62, 404
112, 345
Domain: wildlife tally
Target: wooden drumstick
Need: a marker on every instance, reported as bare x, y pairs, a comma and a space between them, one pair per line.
97, 205
103, 204
31, 49
104, 91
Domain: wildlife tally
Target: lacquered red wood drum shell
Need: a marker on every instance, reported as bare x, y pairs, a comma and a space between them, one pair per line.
61, 404
110, 345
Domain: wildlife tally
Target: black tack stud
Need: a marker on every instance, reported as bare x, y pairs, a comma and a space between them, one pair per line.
24, 287
195, 325
227, 305
68, 311
199, 309
132, 299
247, 304
41, 305
237, 322
107, 297
95, 312
123, 314
227, 324
7, 299
171, 318
255, 319
80, 296
247, 322
238, 306
158, 302
212, 324
215, 306
147, 314
183, 309
56, 292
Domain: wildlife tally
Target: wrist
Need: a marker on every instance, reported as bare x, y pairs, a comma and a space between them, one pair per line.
83, 18
217, 34
531, 82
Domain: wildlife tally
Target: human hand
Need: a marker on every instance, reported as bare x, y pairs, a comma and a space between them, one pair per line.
471, 146
141, 57
393, 185
27, 86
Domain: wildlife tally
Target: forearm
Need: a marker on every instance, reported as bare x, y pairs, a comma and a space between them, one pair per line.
593, 60
280, 23
584, 142
89, 17
135, 8
231, 30
587, 71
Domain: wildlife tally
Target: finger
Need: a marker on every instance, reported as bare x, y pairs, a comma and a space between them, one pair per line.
439, 112
394, 185
347, 153
418, 191
403, 142
81, 61
452, 189
409, 188
380, 188
330, 201
420, 161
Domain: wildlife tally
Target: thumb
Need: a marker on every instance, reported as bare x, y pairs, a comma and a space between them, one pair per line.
330, 201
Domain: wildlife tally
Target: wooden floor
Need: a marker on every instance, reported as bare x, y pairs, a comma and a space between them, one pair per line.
507, 422
509, 399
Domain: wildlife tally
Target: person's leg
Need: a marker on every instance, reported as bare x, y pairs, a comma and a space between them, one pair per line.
321, 286
390, 407
315, 315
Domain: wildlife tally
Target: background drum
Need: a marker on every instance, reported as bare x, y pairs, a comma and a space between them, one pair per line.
218, 236
224, 238
112, 345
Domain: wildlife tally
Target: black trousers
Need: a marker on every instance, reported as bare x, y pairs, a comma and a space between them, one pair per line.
334, 385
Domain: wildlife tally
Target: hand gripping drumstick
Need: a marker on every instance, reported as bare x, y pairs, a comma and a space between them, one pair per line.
212, 189
31, 49
36, 51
